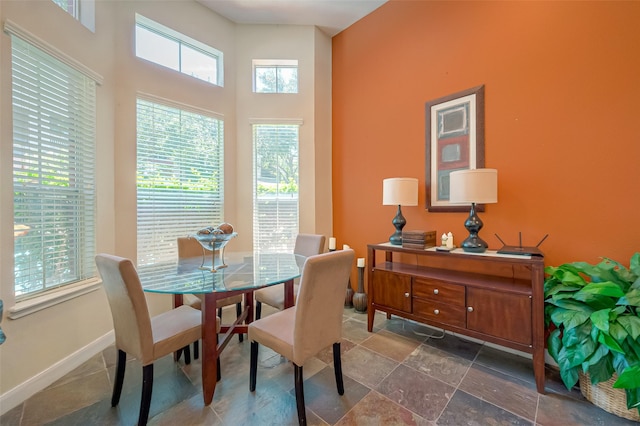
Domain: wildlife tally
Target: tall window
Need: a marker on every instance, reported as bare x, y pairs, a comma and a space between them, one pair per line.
275, 76
275, 190
53, 179
171, 49
179, 177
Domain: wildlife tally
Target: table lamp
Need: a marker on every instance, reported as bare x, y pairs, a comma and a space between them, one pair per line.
399, 192
475, 186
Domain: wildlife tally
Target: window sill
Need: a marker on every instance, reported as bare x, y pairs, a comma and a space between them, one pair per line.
35, 304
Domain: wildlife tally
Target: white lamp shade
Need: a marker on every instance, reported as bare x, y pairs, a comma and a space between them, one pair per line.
473, 186
400, 192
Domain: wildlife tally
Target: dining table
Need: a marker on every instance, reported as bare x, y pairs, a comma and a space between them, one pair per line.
243, 273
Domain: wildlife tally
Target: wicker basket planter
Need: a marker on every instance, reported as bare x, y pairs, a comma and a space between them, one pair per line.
605, 396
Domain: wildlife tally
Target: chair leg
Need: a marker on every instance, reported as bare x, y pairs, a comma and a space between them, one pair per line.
258, 310
302, 413
253, 366
196, 349
187, 354
117, 384
147, 387
238, 313
337, 367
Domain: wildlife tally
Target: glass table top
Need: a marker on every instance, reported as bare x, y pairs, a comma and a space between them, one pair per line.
244, 271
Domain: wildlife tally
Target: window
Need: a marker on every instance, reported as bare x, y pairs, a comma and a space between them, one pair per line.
275, 76
179, 177
275, 191
171, 49
82, 10
54, 108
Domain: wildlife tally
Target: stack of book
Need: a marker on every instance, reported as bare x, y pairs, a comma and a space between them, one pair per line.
418, 239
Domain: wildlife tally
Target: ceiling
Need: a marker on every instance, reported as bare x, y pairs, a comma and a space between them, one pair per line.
331, 16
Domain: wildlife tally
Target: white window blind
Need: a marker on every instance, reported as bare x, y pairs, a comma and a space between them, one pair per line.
180, 158
275, 191
53, 178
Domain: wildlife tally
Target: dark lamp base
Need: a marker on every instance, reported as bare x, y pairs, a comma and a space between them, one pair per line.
474, 245
395, 240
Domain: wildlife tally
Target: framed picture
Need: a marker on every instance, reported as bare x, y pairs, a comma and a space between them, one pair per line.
454, 141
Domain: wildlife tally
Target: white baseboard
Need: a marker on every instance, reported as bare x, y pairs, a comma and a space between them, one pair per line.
35, 384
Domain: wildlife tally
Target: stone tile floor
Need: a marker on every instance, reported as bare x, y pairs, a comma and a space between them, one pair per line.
401, 374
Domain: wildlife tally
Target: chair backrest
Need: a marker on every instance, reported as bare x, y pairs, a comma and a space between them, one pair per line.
309, 244
131, 320
320, 304
189, 247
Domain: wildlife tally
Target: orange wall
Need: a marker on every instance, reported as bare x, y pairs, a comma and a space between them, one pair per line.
562, 107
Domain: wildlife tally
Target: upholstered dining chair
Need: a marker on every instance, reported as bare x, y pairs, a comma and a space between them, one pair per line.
191, 248
306, 245
311, 325
137, 333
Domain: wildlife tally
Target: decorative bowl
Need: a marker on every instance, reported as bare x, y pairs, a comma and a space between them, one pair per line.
215, 243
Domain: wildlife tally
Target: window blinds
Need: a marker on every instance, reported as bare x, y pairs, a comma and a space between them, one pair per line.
276, 181
53, 177
180, 172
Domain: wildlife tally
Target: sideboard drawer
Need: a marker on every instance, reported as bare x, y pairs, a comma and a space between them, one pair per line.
440, 312
441, 291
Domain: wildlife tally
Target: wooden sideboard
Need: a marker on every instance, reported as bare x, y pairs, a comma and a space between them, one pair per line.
492, 297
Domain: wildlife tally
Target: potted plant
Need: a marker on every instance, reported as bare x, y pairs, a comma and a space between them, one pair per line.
592, 312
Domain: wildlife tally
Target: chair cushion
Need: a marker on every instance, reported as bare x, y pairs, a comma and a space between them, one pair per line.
175, 329
195, 301
274, 295
275, 331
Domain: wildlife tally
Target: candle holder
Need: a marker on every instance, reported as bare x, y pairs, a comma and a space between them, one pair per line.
360, 297
348, 297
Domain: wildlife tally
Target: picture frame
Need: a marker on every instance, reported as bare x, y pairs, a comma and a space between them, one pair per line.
454, 135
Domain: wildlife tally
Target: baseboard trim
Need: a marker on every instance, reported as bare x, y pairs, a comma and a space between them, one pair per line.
14, 397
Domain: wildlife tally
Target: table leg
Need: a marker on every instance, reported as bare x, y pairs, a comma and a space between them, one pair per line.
248, 305
209, 347
288, 294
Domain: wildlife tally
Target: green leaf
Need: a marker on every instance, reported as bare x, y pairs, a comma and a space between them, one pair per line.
600, 319
633, 398
577, 348
602, 370
606, 288
554, 344
569, 377
631, 324
605, 339
632, 298
569, 318
600, 352
573, 305
629, 379
617, 331
634, 264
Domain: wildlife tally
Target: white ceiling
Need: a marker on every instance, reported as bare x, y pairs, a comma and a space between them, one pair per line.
331, 16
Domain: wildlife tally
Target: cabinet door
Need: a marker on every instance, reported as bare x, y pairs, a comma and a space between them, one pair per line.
392, 290
500, 314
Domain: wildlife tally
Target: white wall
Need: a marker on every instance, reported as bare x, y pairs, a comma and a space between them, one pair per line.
42, 346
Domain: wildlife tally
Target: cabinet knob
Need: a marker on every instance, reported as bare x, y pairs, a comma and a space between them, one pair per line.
436, 311
406, 295
436, 291
470, 309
